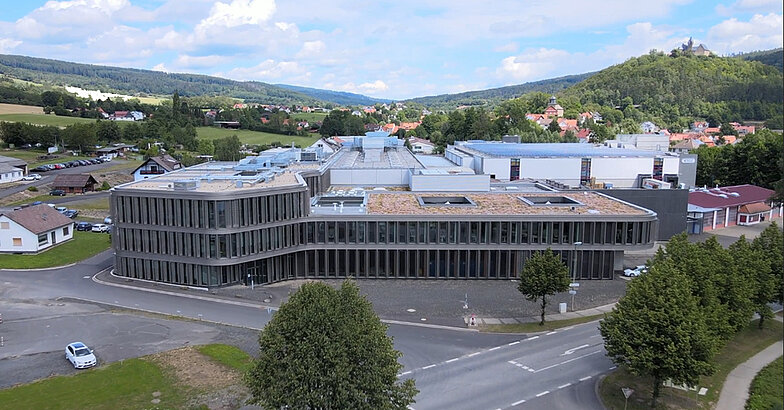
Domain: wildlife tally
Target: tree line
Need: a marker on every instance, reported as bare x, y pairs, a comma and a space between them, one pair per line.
695, 297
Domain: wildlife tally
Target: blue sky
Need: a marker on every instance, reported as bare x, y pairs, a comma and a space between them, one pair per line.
392, 49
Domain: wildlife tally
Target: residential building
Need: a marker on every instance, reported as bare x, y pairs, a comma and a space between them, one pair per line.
720, 207
9, 173
686, 145
33, 229
74, 183
284, 216
421, 145
14, 162
156, 166
647, 142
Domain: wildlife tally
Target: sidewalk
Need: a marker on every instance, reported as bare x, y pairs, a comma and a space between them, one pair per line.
735, 391
598, 310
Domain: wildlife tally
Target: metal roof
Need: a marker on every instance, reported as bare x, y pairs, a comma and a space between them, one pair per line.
532, 150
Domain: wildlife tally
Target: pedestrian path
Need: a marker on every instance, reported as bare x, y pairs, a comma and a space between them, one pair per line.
599, 310
735, 391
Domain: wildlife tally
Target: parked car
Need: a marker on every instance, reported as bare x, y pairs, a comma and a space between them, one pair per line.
637, 271
37, 203
80, 356
105, 158
107, 220
60, 209
71, 213
100, 228
84, 226
31, 177
41, 168
57, 192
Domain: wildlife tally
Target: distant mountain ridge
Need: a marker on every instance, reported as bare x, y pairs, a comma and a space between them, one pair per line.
337, 97
773, 57
495, 96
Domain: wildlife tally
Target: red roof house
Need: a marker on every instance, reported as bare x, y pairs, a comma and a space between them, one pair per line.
711, 208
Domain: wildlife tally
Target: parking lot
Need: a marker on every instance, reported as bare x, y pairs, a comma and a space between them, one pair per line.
35, 333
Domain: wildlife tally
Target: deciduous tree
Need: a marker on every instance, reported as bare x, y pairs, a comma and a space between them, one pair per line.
327, 349
544, 274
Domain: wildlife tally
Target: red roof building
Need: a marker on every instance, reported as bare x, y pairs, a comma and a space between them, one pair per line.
727, 206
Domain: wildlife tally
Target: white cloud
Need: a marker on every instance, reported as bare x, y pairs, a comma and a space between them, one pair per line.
266, 71
506, 48
750, 6
759, 33
311, 49
187, 61
160, 67
7, 44
238, 13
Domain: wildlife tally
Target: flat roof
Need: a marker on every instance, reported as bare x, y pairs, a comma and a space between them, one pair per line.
506, 203
375, 159
534, 150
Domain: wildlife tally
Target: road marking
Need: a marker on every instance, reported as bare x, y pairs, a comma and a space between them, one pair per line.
532, 338
493, 348
551, 333
567, 361
86, 277
428, 367
564, 385
543, 393
512, 361
568, 328
614, 367
451, 360
594, 336
513, 343
517, 403
474, 354
585, 378
405, 373
574, 349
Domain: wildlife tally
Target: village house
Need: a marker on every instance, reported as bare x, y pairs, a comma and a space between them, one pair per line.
74, 183
720, 207
421, 146
33, 229
156, 166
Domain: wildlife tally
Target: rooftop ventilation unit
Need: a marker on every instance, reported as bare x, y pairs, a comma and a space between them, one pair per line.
549, 200
185, 185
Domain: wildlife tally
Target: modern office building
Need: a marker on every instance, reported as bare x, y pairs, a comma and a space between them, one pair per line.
293, 214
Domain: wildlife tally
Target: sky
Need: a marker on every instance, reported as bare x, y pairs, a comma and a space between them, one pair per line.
389, 49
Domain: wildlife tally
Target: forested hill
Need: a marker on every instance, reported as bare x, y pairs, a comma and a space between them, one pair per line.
670, 88
337, 97
773, 57
134, 81
495, 96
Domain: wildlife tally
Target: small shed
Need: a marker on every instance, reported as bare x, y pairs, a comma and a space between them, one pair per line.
75, 183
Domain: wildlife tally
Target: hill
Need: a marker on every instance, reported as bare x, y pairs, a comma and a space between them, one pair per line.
144, 82
494, 96
337, 97
670, 89
773, 57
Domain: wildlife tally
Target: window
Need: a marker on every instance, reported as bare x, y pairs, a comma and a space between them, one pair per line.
65, 231
4, 225
17, 241
43, 239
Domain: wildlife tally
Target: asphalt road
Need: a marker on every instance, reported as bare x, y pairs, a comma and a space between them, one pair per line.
455, 369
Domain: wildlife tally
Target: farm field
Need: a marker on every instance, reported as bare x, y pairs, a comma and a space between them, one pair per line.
20, 109
309, 116
44, 119
254, 137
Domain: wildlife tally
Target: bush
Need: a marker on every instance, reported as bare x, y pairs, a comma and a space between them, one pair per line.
32, 189
105, 186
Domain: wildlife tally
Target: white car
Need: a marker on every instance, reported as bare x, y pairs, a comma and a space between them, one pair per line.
631, 272
80, 356
31, 177
100, 228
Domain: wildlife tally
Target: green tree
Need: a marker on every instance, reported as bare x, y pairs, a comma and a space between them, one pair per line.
228, 149
658, 330
543, 274
553, 126
326, 349
108, 131
81, 136
206, 147
770, 243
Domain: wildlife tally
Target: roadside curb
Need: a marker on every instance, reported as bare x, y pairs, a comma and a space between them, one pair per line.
427, 325
39, 269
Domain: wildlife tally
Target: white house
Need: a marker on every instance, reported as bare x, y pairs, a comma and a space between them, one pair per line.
33, 229
421, 146
9, 173
156, 166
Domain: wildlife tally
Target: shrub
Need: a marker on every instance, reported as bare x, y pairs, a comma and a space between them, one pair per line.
32, 189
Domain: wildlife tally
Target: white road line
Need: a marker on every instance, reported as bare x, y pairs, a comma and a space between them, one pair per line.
428, 367
551, 333
517, 403
513, 343
512, 362
543, 393
568, 328
564, 385
567, 361
405, 373
532, 338
493, 348
614, 367
452, 360
594, 336
585, 378
474, 354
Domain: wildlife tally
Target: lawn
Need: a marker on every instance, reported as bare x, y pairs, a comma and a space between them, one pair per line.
534, 327
43, 198
767, 389
43, 119
83, 246
227, 355
255, 137
128, 384
740, 348
309, 116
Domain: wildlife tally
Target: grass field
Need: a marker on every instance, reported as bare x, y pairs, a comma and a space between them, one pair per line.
740, 348
254, 137
20, 109
309, 116
767, 389
227, 355
43, 119
82, 246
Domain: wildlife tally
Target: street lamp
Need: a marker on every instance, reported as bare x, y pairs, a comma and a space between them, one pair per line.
574, 284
